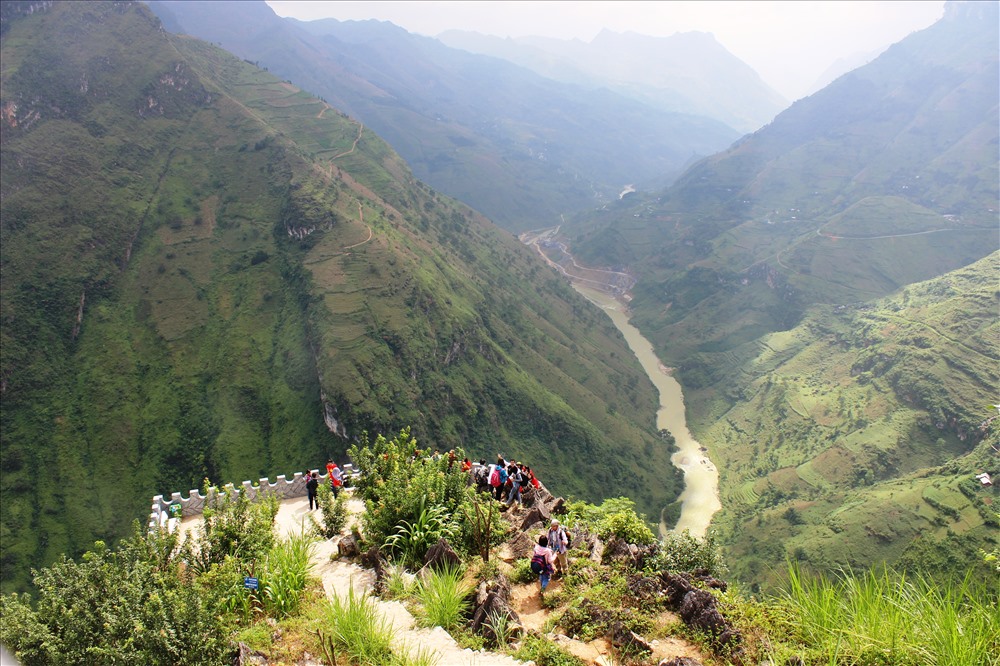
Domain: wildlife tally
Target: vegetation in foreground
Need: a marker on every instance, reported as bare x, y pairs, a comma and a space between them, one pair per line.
157, 600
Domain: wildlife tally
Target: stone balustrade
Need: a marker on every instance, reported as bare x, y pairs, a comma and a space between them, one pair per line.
176, 507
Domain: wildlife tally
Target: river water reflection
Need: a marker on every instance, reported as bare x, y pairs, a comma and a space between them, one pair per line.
700, 499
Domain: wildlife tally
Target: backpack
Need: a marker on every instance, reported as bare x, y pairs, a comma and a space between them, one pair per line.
495, 478
538, 563
480, 477
569, 539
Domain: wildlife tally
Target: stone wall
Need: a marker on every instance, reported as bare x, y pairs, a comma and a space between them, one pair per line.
178, 507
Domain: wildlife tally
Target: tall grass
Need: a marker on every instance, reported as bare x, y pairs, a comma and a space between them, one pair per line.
877, 618
284, 577
444, 597
359, 631
356, 629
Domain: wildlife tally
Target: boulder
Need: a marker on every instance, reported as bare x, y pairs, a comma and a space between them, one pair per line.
442, 556
493, 601
536, 514
373, 559
675, 588
597, 551
347, 546
518, 546
700, 610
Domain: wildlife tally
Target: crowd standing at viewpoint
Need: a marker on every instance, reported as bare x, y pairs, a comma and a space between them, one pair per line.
505, 481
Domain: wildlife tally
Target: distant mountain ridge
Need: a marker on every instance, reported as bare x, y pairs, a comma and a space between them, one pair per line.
688, 72
518, 147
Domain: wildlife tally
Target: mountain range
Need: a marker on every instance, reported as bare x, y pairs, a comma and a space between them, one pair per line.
210, 273
688, 72
516, 146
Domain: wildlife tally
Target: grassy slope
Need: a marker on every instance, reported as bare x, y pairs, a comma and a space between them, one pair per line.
161, 181
860, 431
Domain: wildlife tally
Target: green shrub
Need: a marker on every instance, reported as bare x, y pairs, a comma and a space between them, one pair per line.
410, 541
129, 606
333, 509
232, 526
684, 552
615, 516
398, 483
522, 572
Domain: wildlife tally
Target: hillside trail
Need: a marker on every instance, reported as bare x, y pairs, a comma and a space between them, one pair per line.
339, 577
527, 602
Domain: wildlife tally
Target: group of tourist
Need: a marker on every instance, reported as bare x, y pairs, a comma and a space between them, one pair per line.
333, 474
505, 480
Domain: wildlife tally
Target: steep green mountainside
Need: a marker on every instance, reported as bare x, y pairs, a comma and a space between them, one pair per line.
208, 272
886, 178
687, 72
518, 147
856, 437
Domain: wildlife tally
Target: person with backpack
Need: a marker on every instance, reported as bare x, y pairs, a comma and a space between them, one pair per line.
312, 485
516, 479
498, 481
559, 541
541, 563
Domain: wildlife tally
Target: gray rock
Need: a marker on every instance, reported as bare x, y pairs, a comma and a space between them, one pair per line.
442, 556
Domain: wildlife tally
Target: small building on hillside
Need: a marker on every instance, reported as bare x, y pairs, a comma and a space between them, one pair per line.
984, 479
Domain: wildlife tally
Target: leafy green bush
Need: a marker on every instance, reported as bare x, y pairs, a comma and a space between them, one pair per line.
333, 509
444, 598
398, 483
233, 526
132, 605
616, 516
685, 552
410, 541
522, 572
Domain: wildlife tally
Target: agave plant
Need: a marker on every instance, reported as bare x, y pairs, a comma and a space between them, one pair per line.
410, 541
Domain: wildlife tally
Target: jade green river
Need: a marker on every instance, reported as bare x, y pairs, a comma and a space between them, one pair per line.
700, 499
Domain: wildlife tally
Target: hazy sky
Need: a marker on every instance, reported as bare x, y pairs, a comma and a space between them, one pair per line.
789, 43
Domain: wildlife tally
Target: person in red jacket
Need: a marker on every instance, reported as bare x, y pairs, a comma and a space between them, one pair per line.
336, 477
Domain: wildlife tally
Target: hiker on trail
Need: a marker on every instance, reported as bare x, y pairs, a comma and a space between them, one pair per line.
498, 480
481, 476
336, 477
312, 485
466, 465
559, 543
541, 563
515, 478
